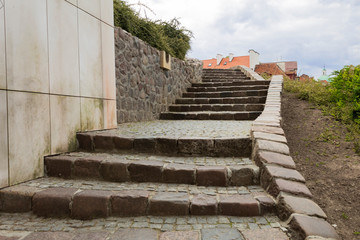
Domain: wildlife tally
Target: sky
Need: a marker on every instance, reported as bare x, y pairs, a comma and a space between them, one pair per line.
315, 33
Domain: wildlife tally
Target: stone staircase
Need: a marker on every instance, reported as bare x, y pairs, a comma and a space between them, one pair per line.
164, 168
223, 95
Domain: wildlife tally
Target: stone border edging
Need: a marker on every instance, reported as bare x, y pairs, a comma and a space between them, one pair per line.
249, 73
278, 174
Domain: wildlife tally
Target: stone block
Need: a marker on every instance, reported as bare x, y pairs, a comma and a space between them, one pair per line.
87, 168
243, 175
135, 234
115, 170
91, 204
85, 141
271, 172
102, 141
312, 226
262, 234
53, 202
129, 203
146, 171
203, 205
180, 235
221, 233
264, 145
179, 173
47, 235
59, 166
269, 137
166, 145
238, 205
195, 146
288, 205
265, 157
281, 185
211, 176
145, 144
169, 204
17, 199
267, 204
121, 143
233, 147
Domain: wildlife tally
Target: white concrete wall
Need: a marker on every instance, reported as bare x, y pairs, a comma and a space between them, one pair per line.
254, 58
57, 77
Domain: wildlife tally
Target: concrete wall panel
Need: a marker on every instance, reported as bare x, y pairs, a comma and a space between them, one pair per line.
26, 45
29, 135
63, 48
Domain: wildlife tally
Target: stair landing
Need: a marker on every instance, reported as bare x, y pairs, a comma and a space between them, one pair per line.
208, 138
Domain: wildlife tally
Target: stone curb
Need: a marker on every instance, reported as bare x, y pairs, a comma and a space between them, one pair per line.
231, 147
120, 170
278, 173
91, 204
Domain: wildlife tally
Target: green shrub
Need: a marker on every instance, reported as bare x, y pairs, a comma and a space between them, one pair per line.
167, 36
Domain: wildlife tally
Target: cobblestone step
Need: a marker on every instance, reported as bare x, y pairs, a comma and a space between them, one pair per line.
220, 77
235, 100
27, 226
189, 138
227, 88
233, 83
80, 199
201, 171
210, 115
225, 94
216, 107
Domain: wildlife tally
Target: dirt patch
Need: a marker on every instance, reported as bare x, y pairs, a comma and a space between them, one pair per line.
321, 150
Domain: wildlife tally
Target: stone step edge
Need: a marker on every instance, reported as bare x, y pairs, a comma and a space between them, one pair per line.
239, 107
226, 94
227, 88
91, 204
278, 174
121, 170
225, 147
241, 100
226, 84
244, 115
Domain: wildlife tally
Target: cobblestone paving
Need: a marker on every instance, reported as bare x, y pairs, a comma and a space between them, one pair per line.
155, 187
198, 161
32, 223
185, 128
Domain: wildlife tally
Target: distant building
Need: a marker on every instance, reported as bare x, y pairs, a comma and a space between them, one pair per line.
221, 62
288, 69
324, 78
305, 78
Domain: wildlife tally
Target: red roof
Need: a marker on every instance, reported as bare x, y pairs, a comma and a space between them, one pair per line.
269, 68
225, 63
290, 67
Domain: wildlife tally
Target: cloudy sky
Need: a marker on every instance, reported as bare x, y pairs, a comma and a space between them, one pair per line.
312, 32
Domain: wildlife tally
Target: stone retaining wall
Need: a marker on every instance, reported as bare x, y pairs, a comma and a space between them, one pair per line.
143, 89
278, 175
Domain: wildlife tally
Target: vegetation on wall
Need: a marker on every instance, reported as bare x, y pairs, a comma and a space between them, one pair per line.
340, 98
168, 36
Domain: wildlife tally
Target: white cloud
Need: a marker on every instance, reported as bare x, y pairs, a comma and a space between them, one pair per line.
312, 32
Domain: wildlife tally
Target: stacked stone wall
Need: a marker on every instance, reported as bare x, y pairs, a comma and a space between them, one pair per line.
143, 89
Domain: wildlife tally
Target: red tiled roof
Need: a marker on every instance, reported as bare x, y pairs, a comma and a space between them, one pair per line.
290, 66
269, 68
236, 61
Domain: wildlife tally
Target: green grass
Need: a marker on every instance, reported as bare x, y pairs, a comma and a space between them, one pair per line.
339, 99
